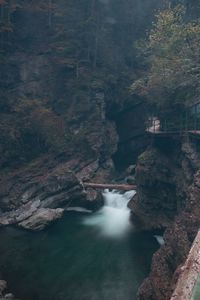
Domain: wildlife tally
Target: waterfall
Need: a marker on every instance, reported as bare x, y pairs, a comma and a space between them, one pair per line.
113, 219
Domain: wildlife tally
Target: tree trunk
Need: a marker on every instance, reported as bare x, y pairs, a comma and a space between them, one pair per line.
122, 187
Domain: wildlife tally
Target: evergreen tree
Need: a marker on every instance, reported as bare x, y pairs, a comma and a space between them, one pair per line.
171, 79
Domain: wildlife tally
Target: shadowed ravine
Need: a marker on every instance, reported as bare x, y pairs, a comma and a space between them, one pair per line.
72, 261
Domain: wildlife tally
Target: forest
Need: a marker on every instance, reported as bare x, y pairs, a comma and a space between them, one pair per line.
80, 49
172, 69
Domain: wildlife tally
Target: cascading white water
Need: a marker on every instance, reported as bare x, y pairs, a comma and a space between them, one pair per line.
113, 218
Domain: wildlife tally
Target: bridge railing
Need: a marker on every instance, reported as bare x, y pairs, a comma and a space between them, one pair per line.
180, 124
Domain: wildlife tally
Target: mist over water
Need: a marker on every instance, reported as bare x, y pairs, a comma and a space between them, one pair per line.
113, 219
81, 257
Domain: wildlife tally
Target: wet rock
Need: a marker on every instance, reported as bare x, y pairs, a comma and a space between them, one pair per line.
18, 215
131, 170
3, 286
165, 262
57, 188
167, 197
154, 206
3, 294
42, 218
39, 181
192, 155
130, 179
94, 198
35, 189
9, 296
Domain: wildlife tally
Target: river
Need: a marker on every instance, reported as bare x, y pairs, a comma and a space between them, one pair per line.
82, 257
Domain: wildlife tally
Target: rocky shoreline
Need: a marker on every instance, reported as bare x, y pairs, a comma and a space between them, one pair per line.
34, 197
168, 199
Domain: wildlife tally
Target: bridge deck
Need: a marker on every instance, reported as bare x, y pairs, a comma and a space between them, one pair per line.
174, 133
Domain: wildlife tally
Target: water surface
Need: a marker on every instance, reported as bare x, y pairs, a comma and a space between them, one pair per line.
74, 261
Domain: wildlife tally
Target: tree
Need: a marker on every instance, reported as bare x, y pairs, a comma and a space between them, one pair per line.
172, 57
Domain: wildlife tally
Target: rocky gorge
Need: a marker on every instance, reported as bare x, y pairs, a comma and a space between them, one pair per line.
67, 117
166, 201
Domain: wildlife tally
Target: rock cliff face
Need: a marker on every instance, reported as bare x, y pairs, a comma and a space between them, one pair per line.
64, 66
37, 194
53, 108
168, 198
130, 124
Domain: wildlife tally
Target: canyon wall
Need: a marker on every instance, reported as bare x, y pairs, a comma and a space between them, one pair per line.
168, 179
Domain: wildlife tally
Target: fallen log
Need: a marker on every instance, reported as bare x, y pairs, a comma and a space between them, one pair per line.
122, 187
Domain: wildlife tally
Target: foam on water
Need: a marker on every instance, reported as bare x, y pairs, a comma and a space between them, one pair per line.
159, 239
113, 219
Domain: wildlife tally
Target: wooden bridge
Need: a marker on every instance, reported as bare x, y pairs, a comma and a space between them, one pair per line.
122, 187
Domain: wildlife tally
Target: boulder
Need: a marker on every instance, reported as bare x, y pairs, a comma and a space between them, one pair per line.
130, 179
3, 286
42, 218
9, 296
154, 206
131, 170
94, 199
53, 185
3, 294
